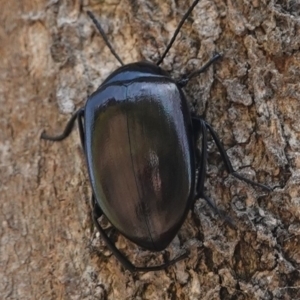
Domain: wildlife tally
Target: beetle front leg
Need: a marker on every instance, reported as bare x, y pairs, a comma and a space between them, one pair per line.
185, 79
96, 214
67, 129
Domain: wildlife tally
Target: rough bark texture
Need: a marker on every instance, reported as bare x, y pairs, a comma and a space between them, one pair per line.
52, 59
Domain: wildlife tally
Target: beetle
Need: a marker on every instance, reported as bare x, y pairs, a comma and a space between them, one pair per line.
139, 140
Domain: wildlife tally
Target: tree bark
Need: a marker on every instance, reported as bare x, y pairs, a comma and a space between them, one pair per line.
52, 58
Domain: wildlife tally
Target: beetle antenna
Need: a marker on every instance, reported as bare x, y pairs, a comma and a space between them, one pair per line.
186, 15
100, 29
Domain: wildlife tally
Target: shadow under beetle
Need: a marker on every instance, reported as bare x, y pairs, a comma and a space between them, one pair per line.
139, 140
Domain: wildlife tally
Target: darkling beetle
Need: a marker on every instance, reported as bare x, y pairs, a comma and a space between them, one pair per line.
139, 140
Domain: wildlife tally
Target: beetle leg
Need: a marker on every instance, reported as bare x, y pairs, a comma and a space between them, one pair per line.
67, 129
218, 211
186, 78
199, 126
80, 127
227, 162
96, 214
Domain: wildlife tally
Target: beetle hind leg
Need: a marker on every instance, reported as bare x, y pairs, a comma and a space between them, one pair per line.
96, 214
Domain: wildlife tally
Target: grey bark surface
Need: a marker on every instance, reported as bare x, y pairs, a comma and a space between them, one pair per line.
52, 58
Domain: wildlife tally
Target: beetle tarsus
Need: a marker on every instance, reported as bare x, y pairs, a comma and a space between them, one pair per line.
263, 186
218, 211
